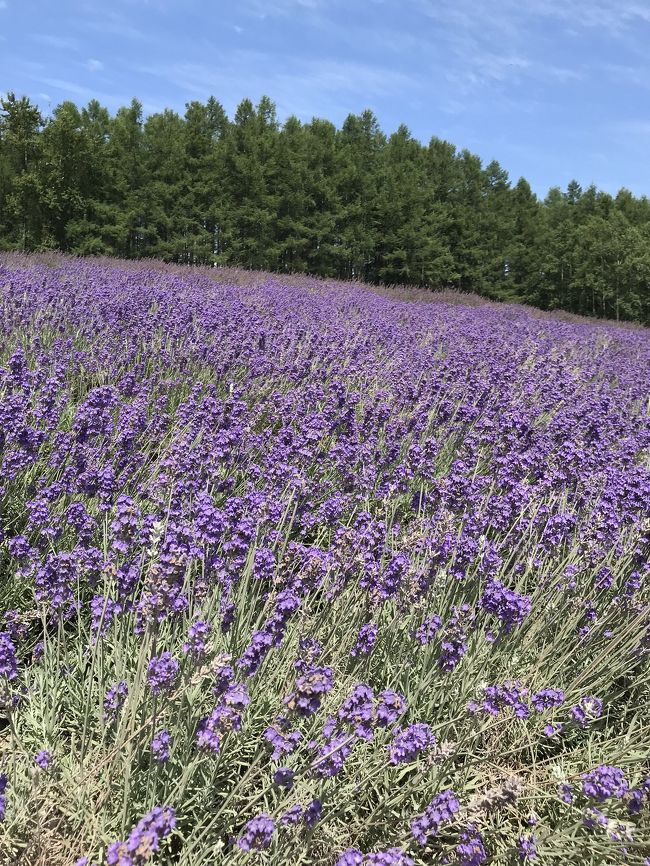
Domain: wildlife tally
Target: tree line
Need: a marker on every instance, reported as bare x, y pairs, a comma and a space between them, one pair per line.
350, 203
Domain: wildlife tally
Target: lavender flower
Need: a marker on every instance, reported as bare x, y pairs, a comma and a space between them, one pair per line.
144, 839
547, 699
258, 834
506, 604
351, 857
527, 847
357, 711
8, 658
587, 710
428, 630
604, 782
283, 777
161, 746
283, 740
162, 672
366, 640
408, 743
114, 701
197, 638
440, 810
292, 817
312, 814
470, 851
566, 793
390, 706
43, 759
4, 781
309, 690
331, 756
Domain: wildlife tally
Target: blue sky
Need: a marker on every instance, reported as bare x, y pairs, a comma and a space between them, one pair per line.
553, 89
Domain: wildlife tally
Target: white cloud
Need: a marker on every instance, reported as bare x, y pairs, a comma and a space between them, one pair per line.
62, 43
320, 87
94, 65
274, 8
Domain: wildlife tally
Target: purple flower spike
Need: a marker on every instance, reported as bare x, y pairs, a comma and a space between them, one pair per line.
43, 759
161, 746
162, 672
409, 743
258, 834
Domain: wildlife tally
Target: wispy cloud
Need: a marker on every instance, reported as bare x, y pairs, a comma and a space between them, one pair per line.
266, 8
111, 22
68, 87
63, 88
514, 16
94, 65
63, 43
302, 87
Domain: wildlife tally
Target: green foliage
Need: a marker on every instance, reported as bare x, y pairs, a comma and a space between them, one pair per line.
348, 203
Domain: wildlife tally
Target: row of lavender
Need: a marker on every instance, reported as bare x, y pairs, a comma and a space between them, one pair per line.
309, 575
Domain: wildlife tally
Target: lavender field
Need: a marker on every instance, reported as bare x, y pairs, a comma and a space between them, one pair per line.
304, 574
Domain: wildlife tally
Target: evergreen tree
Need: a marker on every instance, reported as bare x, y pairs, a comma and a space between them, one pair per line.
21, 223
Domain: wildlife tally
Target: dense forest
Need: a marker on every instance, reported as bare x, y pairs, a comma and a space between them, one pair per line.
349, 203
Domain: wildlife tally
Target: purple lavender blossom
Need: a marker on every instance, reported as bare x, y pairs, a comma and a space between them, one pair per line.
506, 604
410, 742
604, 782
282, 738
313, 812
103, 610
351, 857
292, 817
255, 652
547, 699
197, 638
509, 695
428, 630
4, 781
283, 777
8, 658
470, 851
440, 810
566, 793
357, 711
588, 709
527, 847
144, 839
114, 701
161, 746
366, 640
309, 690
390, 706
637, 797
593, 819
332, 754
258, 833
162, 672
43, 759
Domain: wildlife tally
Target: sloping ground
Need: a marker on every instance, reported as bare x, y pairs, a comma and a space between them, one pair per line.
322, 572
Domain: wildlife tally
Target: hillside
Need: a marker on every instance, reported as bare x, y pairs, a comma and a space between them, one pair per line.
294, 571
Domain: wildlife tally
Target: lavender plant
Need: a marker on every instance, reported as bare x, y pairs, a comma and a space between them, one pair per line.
304, 574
